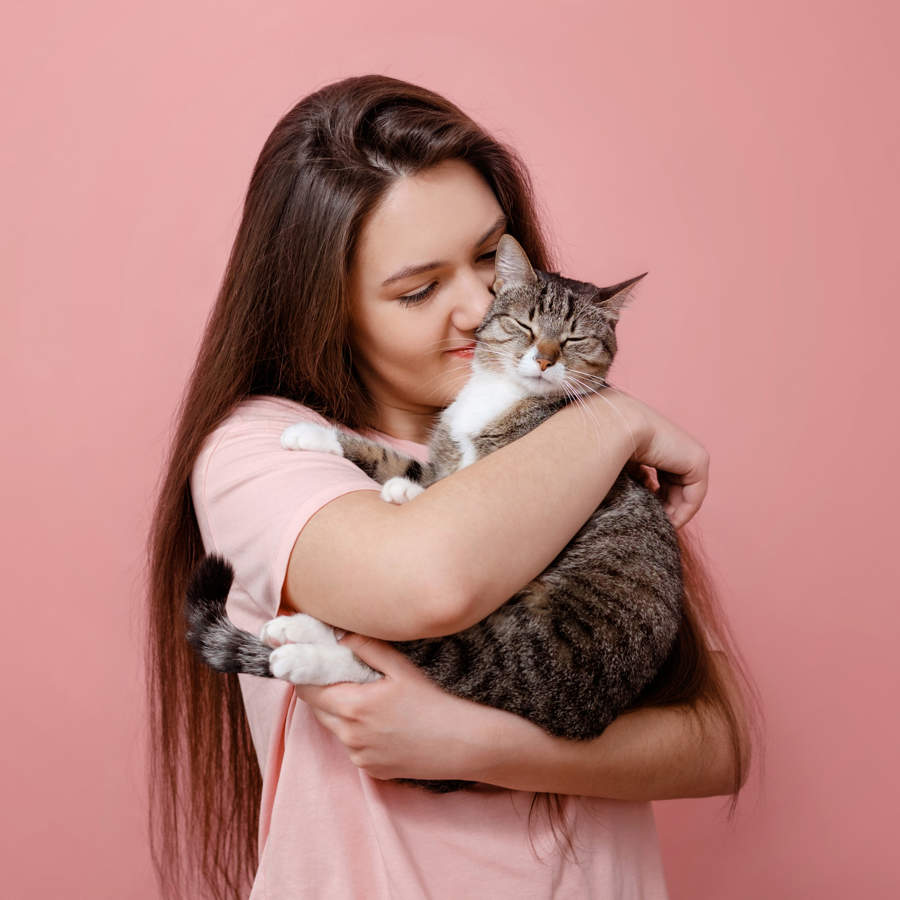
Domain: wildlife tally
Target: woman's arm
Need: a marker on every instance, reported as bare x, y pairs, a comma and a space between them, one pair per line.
454, 554
652, 753
405, 726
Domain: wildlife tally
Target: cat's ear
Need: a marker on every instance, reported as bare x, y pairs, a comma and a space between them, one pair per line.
511, 265
611, 299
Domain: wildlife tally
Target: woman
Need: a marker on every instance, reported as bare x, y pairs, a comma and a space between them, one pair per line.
361, 267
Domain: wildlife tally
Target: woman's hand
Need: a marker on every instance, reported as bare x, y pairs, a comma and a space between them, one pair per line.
666, 458
403, 725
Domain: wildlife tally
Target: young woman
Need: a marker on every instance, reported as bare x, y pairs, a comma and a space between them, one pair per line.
362, 265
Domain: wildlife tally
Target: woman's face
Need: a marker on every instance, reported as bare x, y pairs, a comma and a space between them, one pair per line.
420, 285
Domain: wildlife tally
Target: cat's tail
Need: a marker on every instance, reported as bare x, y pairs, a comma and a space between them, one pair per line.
210, 632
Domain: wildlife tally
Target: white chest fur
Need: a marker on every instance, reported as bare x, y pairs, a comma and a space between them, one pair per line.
484, 397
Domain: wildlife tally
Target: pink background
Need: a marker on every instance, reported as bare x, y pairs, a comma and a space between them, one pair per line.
746, 154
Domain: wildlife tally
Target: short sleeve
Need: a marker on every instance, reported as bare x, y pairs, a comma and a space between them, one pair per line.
252, 498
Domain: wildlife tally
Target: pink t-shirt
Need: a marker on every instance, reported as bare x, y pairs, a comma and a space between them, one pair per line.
326, 828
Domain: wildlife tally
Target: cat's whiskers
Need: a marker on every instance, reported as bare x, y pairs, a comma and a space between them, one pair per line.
436, 380
494, 348
617, 411
463, 366
507, 361
499, 353
585, 386
459, 367
575, 384
588, 414
499, 357
588, 377
572, 379
576, 397
597, 382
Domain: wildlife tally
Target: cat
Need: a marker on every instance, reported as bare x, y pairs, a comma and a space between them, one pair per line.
577, 645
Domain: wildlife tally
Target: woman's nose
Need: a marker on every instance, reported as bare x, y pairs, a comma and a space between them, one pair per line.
472, 302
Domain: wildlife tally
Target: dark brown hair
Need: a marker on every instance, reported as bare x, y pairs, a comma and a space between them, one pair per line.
280, 326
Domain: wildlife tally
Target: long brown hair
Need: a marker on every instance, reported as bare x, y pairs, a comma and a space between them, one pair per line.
280, 326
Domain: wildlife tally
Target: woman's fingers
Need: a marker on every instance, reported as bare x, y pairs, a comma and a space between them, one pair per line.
343, 700
643, 474
378, 654
681, 498
683, 495
320, 696
680, 461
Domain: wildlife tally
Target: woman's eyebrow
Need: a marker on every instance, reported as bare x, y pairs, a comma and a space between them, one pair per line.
409, 271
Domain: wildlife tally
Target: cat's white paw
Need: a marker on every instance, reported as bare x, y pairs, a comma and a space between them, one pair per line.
296, 629
400, 490
309, 436
318, 664
297, 663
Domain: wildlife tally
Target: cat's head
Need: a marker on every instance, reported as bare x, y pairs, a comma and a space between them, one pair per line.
552, 334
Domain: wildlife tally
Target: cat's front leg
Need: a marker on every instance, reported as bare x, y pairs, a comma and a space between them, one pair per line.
310, 436
319, 664
297, 629
307, 652
377, 461
400, 490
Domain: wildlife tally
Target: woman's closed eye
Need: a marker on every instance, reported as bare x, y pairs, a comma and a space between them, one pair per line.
419, 296
426, 292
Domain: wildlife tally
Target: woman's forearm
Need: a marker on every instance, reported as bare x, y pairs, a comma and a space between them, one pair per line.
448, 558
498, 523
405, 726
458, 551
653, 753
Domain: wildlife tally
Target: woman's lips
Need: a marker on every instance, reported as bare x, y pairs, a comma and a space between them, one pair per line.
466, 352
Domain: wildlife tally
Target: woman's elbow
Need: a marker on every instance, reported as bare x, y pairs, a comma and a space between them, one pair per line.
439, 593
443, 611
725, 777
726, 761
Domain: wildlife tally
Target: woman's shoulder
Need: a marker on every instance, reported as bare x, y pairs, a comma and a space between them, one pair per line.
249, 436
265, 416
252, 497
260, 409
259, 416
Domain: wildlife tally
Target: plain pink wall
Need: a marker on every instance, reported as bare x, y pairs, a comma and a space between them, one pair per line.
746, 154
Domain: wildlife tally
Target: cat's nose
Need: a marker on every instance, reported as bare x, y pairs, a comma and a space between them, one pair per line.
547, 353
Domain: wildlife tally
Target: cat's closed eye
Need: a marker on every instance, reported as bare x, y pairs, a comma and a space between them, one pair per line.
512, 320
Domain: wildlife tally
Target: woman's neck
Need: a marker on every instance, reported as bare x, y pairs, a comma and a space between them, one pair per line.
406, 424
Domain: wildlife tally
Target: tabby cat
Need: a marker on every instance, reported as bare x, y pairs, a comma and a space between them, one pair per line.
577, 645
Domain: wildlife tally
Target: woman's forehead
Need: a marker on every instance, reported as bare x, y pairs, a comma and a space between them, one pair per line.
430, 217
